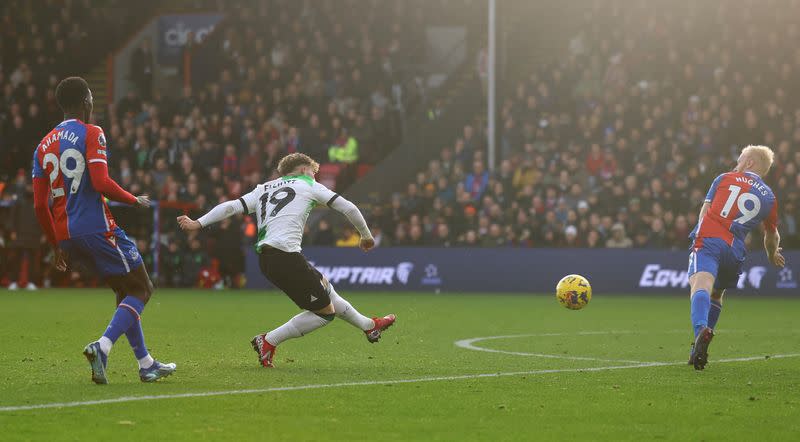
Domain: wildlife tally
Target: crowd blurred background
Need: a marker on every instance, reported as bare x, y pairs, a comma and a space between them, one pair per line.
615, 142
611, 143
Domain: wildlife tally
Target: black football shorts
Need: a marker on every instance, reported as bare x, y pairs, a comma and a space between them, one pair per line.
292, 273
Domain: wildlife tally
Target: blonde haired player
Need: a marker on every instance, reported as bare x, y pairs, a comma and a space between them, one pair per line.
282, 207
737, 202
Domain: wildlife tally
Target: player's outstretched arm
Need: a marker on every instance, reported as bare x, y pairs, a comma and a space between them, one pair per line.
215, 215
98, 172
772, 241
356, 218
97, 159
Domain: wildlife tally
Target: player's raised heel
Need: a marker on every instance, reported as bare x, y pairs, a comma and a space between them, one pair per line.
265, 350
156, 371
701, 344
381, 324
97, 360
255, 343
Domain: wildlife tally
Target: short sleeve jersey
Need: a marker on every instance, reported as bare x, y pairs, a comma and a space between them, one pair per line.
63, 157
738, 203
282, 207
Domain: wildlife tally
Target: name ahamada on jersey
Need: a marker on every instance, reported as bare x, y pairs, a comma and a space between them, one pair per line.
70, 168
63, 155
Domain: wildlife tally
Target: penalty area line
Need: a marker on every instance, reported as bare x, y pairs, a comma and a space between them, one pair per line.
125, 399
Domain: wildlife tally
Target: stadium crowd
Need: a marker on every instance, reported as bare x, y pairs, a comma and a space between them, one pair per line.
615, 143
339, 92
37, 50
41, 41
611, 145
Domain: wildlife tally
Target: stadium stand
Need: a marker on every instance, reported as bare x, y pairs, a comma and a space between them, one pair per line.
609, 145
339, 94
38, 47
614, 143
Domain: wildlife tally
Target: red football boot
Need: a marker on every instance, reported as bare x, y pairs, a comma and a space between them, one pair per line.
381, 324
265, 350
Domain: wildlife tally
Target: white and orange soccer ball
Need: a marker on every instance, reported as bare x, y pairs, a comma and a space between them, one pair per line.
573, 292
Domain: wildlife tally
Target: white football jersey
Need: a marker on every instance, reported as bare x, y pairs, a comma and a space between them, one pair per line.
282, 207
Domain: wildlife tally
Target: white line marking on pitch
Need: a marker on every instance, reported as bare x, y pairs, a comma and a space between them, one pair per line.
469, 344
364, 383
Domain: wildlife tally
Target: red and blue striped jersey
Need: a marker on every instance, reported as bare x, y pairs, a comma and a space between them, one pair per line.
739, 202
63, 156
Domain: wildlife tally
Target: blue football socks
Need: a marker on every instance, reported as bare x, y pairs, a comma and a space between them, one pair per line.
701, 304
136, 339
126, 315
713, 314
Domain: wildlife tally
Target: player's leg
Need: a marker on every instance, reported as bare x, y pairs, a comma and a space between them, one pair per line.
132, 295
716, 307
78, 255
118, 260
703, 267
702, 284
291, 273
299, 325
137, 283
730, 269
372, 327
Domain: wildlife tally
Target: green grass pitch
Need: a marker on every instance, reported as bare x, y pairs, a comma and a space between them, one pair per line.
613, 371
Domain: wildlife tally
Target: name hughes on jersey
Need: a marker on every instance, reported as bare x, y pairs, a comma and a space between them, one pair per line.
66, 135
754, 184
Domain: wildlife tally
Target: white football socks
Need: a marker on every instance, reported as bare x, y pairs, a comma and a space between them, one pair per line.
300, 325
347, 312
146, 362
105, 345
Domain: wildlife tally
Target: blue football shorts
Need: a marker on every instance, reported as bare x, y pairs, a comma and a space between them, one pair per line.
105, 254
717, 257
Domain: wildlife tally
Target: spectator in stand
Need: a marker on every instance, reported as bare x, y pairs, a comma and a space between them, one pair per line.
194, 260
627, 130
324, 235
349, 238
622, 132
344, 149
230, 163
142, 69
442, 236
477, 182
619, 240
228, 242
25, 238
173, 265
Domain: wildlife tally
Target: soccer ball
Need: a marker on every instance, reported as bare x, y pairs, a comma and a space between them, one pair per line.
574, 292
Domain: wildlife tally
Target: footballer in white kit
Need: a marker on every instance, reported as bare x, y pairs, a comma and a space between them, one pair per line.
281, 207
